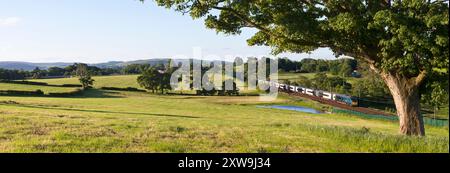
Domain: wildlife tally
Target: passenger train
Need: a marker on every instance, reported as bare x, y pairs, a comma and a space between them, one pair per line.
339, 98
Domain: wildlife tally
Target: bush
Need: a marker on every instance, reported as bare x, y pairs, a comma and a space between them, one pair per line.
123, 89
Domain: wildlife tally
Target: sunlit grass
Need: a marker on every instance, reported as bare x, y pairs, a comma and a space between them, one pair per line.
111, 121
140, 122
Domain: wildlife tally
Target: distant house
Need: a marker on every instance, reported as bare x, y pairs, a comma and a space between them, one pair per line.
356, 74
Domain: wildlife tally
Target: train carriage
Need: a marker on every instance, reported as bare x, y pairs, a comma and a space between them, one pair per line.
345, 99
339, 98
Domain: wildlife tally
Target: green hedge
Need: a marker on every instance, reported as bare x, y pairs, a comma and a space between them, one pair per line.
24, 82
123, 89
22, 93
77, 92
38, 83
71, 85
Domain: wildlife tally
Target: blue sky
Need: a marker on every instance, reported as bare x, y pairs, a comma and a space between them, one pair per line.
112, 30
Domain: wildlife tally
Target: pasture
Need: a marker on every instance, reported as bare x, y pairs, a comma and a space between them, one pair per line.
100, 81
295, 76
112, 121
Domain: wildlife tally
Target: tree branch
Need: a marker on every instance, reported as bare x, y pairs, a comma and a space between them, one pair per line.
267, 30
421, 77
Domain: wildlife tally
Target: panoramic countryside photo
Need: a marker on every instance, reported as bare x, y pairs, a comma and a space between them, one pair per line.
224, 76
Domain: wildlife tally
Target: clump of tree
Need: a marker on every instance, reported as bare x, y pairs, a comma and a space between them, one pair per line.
322, 81
93, 70
38, 73
371, 86
56, 71
209, 89
8, 75
438, 95
84, 76
287, 65
343, 66
155, 79
135, 68
333, 84
302, 81
402, 41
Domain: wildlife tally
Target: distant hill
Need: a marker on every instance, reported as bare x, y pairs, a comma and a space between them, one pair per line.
17, 65
113, 64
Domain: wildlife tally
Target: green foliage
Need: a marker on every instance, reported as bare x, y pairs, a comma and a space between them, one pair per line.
333, 84
395, 32
149, 79
6, 74
346, 70
38, 73
413, 36
371, 86
309, 65
401, 40
287, 65
438, 97
56, 71
303, 81
135, 68
154, 79
84, 76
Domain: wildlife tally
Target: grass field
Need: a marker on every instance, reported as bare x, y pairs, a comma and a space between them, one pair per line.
106, 121
294, 76
100, 81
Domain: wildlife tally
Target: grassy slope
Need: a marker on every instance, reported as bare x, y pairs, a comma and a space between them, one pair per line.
294, 76
138, 122
100, 81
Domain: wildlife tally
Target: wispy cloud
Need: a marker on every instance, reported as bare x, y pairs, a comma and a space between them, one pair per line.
9, 21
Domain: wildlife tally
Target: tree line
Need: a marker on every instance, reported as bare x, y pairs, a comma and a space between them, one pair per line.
37, 73
157, 78
343, 66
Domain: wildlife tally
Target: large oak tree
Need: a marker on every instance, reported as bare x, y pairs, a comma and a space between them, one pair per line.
404, 41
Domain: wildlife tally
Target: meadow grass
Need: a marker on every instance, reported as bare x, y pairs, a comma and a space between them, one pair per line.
141, 122
112, 121
295, 76
121, 81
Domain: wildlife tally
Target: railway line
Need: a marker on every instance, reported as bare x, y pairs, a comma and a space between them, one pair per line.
339, 105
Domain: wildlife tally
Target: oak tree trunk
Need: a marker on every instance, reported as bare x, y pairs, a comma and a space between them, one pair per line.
405, 92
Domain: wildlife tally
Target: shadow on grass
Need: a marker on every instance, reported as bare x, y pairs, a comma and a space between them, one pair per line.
93, 111
199, 96
97, 93
90, 93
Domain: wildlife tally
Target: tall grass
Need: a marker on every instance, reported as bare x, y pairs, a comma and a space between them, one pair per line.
364, 140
